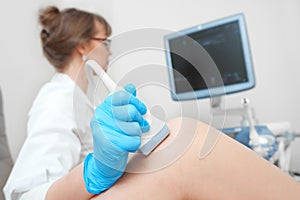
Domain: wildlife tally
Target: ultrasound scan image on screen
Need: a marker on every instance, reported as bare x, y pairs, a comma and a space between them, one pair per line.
226, 42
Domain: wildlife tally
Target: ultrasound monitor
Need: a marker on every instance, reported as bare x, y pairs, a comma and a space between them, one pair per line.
226, 42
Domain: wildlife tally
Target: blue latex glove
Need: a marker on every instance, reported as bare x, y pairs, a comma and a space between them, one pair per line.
116, 126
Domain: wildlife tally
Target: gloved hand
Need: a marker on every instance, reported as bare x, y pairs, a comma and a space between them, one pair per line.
116, 126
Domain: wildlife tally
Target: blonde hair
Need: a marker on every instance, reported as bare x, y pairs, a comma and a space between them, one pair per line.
62, 31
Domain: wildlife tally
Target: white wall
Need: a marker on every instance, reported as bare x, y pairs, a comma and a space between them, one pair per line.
273, 28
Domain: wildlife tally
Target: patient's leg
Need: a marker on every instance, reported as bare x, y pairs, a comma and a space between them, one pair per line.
230, 171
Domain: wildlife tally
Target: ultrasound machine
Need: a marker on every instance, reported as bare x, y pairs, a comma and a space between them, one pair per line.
212, 60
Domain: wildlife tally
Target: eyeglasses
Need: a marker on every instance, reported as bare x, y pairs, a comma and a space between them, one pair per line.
105, 41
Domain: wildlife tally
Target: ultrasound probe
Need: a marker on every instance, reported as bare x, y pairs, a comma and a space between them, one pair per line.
158, 128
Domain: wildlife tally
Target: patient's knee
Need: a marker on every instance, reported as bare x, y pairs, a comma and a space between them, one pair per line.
185, 133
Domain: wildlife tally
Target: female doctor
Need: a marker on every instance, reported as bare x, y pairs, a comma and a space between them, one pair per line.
54, 162
55, 142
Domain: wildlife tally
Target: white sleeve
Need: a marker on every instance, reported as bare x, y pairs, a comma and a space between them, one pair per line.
50, 150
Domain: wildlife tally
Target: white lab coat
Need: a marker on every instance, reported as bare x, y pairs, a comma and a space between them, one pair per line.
58, 139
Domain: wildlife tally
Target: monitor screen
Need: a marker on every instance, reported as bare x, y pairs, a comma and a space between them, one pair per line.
226, 42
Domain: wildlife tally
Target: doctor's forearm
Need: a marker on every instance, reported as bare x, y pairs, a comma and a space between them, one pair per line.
71, 186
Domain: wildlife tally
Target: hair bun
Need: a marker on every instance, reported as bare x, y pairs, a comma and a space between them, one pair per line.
49, 18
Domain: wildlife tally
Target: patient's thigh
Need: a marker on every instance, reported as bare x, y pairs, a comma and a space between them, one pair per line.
167, 182
230, 171
140, 186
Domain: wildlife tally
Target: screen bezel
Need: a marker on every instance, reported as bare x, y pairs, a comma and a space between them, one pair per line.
216, 91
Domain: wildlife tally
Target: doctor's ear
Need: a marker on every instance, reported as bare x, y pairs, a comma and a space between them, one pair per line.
82, 49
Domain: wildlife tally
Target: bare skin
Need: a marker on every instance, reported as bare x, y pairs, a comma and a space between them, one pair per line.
230, 171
